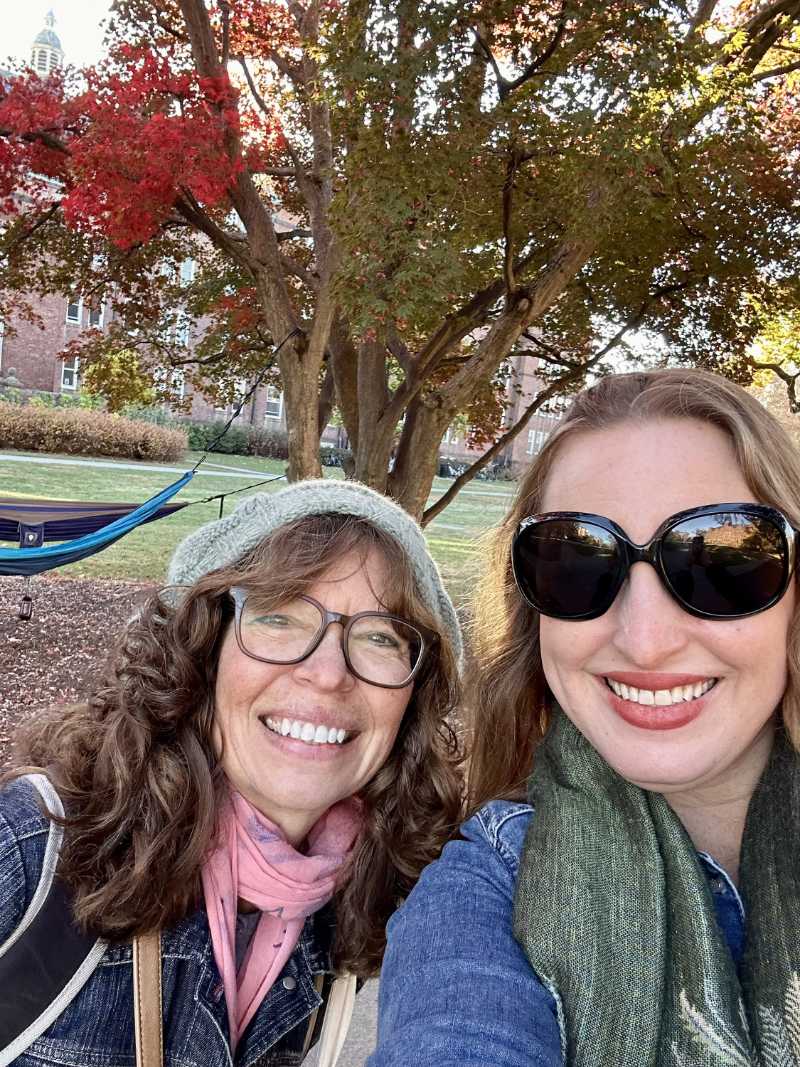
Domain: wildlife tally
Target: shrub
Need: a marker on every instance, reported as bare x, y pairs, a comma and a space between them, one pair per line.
201, 434
42, 399
81, 432
265, 441
157, 414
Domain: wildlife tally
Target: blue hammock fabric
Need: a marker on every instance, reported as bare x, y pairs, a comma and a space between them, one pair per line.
96, 531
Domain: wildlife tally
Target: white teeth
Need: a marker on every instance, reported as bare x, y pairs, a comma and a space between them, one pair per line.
306, 731
661, 698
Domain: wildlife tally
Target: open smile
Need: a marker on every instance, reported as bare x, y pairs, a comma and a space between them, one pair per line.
661, 698
307, 732
658, 702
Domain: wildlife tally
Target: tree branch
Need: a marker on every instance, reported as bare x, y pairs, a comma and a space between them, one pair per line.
777, 71
705, 9
234, 245
508, 210
299, 271
577, 373
789, 380
327, 396
26, 235
506, 87
225, 9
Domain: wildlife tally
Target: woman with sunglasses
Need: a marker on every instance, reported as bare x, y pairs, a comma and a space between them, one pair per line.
636, 647
250, 792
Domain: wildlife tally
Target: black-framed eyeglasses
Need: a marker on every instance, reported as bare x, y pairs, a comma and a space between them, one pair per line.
379, 648
721, 561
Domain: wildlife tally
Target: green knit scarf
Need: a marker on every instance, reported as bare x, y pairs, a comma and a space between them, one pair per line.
616, 917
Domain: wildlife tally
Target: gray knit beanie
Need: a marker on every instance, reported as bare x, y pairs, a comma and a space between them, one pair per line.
224, 541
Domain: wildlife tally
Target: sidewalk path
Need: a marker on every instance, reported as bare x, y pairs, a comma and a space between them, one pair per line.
217, 472
50, 461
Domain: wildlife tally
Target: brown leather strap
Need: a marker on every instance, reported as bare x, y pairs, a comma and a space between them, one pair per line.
147, 1009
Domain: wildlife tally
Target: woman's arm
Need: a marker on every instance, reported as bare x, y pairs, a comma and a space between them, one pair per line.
456, 988
23, 833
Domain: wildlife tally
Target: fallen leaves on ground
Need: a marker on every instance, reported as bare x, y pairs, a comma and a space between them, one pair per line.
52, 659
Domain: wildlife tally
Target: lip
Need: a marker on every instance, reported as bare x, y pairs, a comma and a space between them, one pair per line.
650, 717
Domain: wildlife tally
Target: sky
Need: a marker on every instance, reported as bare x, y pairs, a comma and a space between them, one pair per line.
77, 24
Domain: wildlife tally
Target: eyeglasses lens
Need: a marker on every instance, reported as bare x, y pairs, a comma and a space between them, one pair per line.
381, 650
568, 568
727, 564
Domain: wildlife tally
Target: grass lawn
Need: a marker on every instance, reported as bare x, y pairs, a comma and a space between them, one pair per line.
143, 554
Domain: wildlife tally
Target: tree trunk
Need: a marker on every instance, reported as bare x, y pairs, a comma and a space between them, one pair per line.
375, 430
301, 396
417, 458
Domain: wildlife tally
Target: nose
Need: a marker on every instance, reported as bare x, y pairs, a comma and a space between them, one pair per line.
650, 627
325, 669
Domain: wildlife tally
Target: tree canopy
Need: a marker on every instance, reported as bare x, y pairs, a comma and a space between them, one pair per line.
387, 198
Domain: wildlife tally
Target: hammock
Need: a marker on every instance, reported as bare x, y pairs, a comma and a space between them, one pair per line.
90, 526
94, 526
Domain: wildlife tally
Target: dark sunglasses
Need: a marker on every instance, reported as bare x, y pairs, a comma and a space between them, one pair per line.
722, 561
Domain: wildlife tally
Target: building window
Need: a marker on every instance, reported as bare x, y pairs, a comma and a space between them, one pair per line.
75, 311
274, 408
187, 270
177, 382
171, 381
96, 316
41, 60
69, 374
182, 333
536, 440
451, 436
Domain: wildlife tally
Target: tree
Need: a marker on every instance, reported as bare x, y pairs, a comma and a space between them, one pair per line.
387, 198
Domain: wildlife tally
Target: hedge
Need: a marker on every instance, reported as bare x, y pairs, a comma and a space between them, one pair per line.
88, 433
239, 440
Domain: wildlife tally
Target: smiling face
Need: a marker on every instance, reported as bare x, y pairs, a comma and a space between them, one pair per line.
291, 780
638, 475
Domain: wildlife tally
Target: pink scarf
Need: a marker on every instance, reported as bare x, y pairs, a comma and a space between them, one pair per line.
253, 861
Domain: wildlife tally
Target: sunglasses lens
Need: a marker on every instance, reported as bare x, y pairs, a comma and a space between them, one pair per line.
729, 564
566, 568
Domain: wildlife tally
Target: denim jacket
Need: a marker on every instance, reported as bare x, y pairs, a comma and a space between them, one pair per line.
96, 1030
456, 988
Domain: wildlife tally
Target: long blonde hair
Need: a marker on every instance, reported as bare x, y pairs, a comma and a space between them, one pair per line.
509, 699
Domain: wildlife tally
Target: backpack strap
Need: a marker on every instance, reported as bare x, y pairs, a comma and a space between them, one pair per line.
47, 960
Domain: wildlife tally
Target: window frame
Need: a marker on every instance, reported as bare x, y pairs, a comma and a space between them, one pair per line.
272, 400
74, 370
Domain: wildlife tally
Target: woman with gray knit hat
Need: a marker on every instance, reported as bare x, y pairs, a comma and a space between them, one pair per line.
240, 806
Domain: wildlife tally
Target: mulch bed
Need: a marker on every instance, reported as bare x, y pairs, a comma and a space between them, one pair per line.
52, 659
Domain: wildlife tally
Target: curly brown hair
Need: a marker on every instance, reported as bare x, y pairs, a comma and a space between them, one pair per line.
141, 781
510, 703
